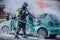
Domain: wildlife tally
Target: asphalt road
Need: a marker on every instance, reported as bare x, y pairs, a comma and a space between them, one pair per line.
11, 37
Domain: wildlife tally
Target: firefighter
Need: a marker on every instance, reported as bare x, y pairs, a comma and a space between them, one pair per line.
22, 20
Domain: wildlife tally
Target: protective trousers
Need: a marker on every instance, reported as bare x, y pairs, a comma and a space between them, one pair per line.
21, 25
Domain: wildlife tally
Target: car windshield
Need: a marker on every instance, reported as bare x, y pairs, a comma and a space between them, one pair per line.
54, 17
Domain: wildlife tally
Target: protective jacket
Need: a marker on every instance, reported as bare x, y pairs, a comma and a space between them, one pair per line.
22, 17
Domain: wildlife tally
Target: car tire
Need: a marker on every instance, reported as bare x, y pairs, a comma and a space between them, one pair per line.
42, 33
5, 30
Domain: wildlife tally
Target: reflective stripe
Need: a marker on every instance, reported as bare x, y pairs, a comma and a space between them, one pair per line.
22, 21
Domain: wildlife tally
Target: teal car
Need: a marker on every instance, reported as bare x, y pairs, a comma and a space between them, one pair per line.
45, 25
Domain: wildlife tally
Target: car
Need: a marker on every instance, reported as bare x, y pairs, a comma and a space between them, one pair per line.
47, 24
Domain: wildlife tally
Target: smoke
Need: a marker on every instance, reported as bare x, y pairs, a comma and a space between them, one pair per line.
12, 5
52, 11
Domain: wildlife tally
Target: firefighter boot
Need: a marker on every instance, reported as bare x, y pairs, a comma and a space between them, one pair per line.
16, 34
25, 36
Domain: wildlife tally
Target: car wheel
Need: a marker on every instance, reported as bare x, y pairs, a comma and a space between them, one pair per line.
5, 30
42, 33
53, 35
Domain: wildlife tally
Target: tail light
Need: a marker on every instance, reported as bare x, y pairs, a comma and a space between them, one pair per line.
50, 23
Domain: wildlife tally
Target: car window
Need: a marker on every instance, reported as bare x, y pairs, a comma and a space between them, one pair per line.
42, 16
54, 17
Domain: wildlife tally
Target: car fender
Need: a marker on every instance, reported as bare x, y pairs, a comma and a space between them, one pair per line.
6, 23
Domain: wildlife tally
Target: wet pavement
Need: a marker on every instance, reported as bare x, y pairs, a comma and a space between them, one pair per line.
11, 37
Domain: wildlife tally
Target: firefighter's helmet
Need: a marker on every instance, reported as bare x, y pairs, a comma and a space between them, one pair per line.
25, 3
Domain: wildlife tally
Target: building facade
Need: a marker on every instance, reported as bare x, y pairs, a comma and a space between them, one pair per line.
2, 13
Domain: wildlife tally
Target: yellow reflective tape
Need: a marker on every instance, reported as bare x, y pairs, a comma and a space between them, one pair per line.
21, 21
15, 34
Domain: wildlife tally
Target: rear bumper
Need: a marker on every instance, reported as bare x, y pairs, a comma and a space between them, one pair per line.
54, 31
